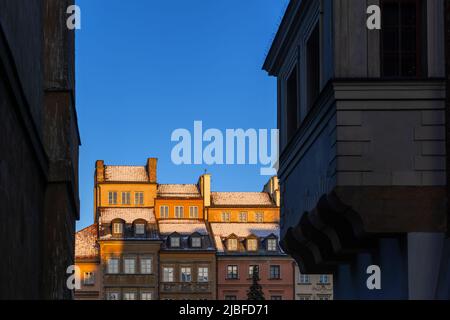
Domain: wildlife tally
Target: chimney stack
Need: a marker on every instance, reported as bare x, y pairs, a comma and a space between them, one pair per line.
151, 169
99, 171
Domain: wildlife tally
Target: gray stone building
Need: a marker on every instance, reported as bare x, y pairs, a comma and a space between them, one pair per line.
39, 143
362, 126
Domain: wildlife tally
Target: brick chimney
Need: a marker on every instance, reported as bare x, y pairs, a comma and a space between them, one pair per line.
99, 171
204, 184
151, 169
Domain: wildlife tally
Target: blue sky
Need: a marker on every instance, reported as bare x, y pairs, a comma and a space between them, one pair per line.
148, 67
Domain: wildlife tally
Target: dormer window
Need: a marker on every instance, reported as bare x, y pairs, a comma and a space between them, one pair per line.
232, 244
271, 244
118, 228
139, 229
196, 242
252, 244
175, 242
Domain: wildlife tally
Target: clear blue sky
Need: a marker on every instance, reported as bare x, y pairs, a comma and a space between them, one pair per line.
148, 67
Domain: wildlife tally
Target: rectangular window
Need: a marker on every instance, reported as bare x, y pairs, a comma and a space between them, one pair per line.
276, 298
126, 197
401, 38
113, 295
186, 274
118, 228
139, 228
324, 296
196, 242
304, 297
232, 244
203, 274
146, 265
139, 198
324, 279
168, 274
230, 297
252, 269
313, 66
164, 212
292, 104
113, 266
146, 296
89, 278
129, 296
275, 272
259, 217
193, 212
252, 245
304, 279
129, 266
226, 216
242, 216
232, 272
179, 212
112, 197
175, 242
272, 245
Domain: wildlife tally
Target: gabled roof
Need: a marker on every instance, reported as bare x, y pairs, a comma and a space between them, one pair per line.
126, 174
178, 190
127, 214
86, 246
255, 199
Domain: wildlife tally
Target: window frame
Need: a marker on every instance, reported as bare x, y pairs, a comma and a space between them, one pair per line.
109, 266
164, 212
136, 229
139, 198
201, 274
232, 248
126, 266
126, 198
145, 267
89, 280
269, 247
193, 214
112, 198
183, 274
234, 272
170, 274
276, 275
179, 212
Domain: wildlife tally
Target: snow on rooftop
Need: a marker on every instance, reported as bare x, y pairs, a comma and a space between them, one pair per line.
127, 214
86, 242
178, 190
126, 174
242, 230
183, 227
241, 198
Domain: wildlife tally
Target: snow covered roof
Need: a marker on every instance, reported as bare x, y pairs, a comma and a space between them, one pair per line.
183, 227
178, 190
127, 214
241, 199
86, 242
126, 174
242, 230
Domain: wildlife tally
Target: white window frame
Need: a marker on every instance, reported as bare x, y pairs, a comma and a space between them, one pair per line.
243, 216
117, 227
175, 242
139, 227
139, 198
113, 268
272, 244
112, 197
168, 274
186, 274
304, 278
179, 212
259, 216
164, 212
226, 216
251, 269
197, 241
129, 265
193, 212
146, 265
252, 244
129, 296
324, 279
126, 197
146, 295
202, 274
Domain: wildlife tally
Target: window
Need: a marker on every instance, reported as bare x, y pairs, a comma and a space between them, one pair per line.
401, 38
186, 274
230, 297
271, 244
112, 197
276, 298
193, 212
164, 212
129, 265
259, 217
304, 297
226, 217
168, 274
252, 244
89, 278
324, 296
252, 269
232, 272
146, 265
113, 266
175, 242
113, 296
232, 244
196, 242
146, 296
129, 296
304, 279
126, 197
139, 198
323, 279
274, 272
139, 228
179, 212
243, 216
292, 104
117, 227
313, 66
203, 274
